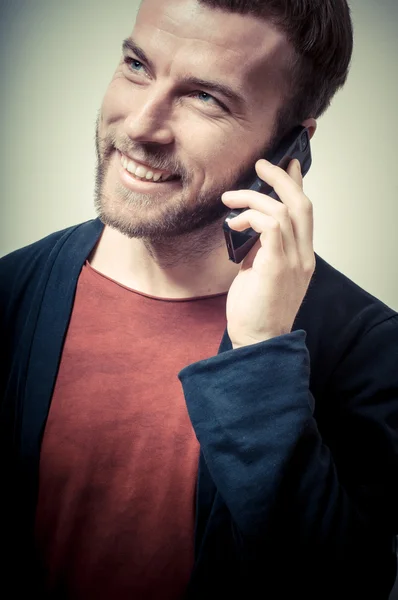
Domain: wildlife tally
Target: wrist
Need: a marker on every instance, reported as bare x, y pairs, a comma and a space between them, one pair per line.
250, 341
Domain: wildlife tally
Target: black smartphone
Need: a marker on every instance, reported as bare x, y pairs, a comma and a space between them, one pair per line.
294, 145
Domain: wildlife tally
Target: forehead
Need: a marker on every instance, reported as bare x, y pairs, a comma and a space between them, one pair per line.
186, 37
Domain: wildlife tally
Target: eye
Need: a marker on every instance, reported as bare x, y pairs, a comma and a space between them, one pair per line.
133, 64
208, 99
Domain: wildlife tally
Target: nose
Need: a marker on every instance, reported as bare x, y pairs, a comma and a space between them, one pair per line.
149, 120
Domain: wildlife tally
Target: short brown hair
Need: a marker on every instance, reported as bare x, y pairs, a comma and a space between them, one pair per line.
321, 34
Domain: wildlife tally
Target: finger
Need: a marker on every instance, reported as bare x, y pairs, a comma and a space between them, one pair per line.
266, 205
270, 249
251, 199
261, 223
294, 171
288, 190
300, 207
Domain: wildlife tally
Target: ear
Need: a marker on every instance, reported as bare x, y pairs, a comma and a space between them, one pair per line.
311, 125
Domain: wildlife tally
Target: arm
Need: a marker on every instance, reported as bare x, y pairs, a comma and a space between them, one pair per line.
253, 415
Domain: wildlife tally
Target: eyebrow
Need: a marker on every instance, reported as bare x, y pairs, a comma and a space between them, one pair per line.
214, 86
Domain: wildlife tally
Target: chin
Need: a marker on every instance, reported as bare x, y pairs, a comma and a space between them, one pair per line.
155, 216
124, 218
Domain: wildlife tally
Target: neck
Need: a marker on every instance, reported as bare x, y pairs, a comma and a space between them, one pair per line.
186, 266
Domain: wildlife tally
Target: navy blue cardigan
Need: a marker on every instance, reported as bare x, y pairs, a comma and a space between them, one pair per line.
297, 488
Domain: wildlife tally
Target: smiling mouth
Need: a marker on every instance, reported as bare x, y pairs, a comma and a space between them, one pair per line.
144, 173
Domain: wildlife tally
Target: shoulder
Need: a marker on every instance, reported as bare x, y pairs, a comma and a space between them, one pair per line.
341, 319
40, 250
336, 299
21, 270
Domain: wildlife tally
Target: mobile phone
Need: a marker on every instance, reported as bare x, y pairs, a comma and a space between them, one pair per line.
294, 145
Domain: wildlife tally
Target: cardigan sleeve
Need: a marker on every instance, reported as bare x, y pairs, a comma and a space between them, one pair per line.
253, 415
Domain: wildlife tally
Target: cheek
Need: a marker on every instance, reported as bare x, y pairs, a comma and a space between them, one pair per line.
219, 156
107, 107
114, 100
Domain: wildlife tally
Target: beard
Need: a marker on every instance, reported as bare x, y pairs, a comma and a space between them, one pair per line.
158, 217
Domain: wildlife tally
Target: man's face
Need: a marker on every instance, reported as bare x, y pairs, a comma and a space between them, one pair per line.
195, 96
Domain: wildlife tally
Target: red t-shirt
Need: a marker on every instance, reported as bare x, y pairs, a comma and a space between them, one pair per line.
118, 467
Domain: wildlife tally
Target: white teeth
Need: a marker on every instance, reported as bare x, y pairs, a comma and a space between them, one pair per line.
142, 172
130, 167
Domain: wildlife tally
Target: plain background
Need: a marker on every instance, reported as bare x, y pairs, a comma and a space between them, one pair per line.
56, 59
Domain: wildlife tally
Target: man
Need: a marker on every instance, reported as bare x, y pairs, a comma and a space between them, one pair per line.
173, 424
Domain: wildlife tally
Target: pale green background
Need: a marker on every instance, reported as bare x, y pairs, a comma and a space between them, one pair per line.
56, 60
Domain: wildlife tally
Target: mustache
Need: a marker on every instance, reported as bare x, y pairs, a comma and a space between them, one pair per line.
155, 159
144, 153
